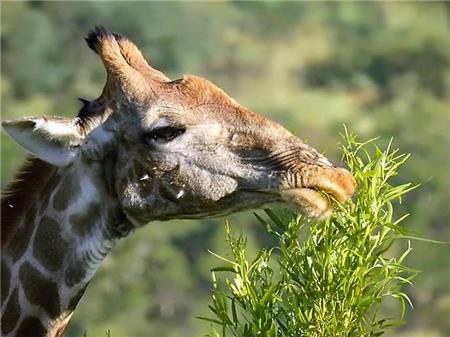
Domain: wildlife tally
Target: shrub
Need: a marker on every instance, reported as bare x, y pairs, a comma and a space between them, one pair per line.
321, 278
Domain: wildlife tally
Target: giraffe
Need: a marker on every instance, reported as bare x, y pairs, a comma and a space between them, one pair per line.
148, 148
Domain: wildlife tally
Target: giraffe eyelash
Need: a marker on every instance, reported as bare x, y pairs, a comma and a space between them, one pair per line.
164, 134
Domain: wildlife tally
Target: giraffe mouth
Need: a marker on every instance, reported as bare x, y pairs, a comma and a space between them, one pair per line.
308, 201
311, 199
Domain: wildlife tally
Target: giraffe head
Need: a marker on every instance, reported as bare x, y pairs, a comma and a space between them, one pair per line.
182, 148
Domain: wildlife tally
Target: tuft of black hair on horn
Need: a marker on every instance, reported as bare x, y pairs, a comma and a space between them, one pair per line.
97, 35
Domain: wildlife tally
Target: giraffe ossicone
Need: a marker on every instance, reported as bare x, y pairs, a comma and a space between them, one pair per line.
146, 149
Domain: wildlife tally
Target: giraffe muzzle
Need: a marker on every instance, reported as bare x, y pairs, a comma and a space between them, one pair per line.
308, 196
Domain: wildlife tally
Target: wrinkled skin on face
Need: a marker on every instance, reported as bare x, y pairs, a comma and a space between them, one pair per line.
197, 153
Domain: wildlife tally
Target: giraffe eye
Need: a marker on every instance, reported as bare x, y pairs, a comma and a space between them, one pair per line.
164, 134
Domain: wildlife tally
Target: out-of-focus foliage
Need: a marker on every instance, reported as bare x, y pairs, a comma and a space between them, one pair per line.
381, 68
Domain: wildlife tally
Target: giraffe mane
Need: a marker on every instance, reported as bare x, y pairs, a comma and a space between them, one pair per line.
16, 198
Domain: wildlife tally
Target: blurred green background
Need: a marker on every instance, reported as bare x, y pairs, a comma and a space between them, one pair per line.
380, 68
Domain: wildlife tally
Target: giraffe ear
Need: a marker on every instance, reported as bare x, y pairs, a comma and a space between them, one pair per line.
54, 140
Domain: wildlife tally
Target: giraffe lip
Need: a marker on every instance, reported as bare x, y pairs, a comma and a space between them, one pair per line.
308, 201
341, 185
338, 183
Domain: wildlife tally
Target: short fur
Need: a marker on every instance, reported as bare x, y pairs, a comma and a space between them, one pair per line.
26, 186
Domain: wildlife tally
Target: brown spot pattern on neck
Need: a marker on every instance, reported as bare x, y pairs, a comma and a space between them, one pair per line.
31, 326
40, 290
11, 313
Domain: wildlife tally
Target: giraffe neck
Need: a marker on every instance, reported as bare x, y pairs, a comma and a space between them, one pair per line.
58, 245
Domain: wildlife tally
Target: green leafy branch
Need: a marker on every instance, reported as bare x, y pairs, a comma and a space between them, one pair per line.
326, 278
